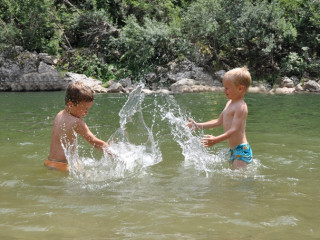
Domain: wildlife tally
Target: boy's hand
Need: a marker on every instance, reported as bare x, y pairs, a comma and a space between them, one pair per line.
208, 140
107, 150
191, 124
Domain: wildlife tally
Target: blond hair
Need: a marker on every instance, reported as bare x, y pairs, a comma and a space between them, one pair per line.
239, 76
78, 92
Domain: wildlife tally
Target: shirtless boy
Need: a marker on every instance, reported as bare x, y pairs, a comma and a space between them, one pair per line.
69, 123
233, 119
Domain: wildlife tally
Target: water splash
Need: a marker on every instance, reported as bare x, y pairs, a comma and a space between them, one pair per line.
132, 145
195, 154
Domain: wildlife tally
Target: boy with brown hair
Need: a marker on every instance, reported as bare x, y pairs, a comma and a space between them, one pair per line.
68, 124
233, 118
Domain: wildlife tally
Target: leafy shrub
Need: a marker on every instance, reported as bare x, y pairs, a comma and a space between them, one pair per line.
147, 45
164, 11
293, 64
241, 32
300, 65
85, 62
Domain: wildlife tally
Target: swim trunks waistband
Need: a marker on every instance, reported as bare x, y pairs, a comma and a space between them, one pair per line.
56, 165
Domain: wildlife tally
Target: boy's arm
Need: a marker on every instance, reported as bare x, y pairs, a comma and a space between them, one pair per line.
210, 124
238, 120
205, 125
85, 132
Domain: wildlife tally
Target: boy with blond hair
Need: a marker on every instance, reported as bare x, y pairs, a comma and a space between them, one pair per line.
233, 118
68, 124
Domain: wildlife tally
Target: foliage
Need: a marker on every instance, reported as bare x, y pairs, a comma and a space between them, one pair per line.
124, 37
241, 32
29, 24
84, 62
93, 28
153, 43
164, 10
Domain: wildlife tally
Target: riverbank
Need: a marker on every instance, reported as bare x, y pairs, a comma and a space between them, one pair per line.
38, 72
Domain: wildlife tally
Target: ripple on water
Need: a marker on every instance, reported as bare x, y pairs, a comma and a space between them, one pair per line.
281, 221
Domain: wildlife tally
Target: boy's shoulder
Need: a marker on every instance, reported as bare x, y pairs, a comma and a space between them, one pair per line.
63, 117
239, 105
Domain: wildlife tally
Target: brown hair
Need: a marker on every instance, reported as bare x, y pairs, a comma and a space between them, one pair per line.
239, 76
78, 92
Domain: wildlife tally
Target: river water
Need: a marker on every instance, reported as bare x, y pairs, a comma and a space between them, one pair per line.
162, 184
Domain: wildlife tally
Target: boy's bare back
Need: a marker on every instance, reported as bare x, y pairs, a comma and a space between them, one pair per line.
63, 132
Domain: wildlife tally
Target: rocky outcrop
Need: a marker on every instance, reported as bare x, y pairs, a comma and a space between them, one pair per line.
37, 72
94, 84
30, 72
185, 69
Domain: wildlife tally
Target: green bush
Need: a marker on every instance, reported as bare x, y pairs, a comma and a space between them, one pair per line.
88, 63
241, 32
30, 24
145, 46
293, 64
164, 10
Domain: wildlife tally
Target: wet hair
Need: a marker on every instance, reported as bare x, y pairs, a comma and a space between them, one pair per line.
78, 92
239, 76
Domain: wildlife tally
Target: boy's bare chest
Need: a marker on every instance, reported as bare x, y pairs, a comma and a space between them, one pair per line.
229, 112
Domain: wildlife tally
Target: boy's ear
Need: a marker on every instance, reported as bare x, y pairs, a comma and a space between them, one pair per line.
70, 104
242, 88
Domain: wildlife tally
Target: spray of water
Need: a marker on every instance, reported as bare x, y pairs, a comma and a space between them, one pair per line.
132, 145
195, 154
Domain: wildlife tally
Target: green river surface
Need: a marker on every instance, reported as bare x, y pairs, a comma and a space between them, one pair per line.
178, 197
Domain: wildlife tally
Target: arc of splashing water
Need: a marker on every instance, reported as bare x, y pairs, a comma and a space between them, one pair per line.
194, 153
129, 109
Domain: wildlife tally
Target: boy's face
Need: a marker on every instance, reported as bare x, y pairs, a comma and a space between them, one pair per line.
232, 91
81, 109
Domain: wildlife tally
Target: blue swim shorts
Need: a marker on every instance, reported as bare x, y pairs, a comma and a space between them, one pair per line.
241, 152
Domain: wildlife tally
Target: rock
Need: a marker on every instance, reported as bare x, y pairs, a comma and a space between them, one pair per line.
147, 91
186, 69
94, 84
219, 74
287, 82
163, 91
46, 58
126, 82
189, 86
258, 89
299, 88
28, 62
311, 86
44, 67
182, 85
10, 69
115, 88
151, 77
27, 73
295, 80
284, 90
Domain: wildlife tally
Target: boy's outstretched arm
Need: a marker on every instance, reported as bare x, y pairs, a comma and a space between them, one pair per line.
210, 124
85, 132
